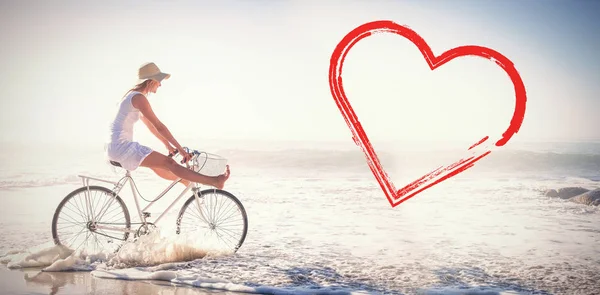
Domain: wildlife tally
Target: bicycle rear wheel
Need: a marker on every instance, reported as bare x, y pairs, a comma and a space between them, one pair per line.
218, 217
79, 220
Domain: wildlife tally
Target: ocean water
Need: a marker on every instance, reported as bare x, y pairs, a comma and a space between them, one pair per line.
320, 224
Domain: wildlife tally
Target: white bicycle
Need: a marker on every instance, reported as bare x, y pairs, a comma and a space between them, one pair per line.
96, 217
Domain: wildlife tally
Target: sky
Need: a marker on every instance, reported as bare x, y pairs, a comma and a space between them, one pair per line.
258, 70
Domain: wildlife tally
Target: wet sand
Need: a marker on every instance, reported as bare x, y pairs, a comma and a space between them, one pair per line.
34, 281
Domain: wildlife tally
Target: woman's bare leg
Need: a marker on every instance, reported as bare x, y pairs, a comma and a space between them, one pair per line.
160, 161
168, 175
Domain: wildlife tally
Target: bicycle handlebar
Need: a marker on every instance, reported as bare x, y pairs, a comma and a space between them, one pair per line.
189, 151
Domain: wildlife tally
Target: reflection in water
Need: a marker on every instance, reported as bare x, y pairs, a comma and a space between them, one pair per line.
70, 283
56, 281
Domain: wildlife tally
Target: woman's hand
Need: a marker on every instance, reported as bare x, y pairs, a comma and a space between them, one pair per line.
185, 155
171, 149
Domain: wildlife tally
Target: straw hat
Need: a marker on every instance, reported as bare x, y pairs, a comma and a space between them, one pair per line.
151, 71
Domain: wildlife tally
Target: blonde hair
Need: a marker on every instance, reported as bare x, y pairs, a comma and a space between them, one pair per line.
140, 86
143, 85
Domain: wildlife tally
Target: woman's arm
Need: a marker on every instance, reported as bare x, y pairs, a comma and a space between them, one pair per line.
141, 103
154, 131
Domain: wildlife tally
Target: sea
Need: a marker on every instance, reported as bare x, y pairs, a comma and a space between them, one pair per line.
319, 223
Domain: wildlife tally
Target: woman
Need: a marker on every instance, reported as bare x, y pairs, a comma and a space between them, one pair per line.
130, 154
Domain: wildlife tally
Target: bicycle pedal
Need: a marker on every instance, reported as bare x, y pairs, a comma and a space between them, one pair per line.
146, 214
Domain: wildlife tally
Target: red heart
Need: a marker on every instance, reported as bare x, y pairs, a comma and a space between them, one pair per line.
395, 197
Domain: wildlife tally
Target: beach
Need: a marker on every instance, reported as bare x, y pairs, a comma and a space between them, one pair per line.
315, 227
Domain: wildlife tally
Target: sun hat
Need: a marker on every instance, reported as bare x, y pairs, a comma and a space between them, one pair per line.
151, 71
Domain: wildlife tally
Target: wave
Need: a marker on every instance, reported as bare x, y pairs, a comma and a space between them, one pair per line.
344, 160
34, 179
311, 162
322, 277
28, 182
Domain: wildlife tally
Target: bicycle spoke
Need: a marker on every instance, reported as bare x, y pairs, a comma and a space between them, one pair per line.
217, 233
228, 217
81, 211
79, 233
69, 226
110, 200
73, 220
225, 232
217, 213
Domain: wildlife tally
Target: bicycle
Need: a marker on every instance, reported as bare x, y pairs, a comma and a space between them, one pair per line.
94, 225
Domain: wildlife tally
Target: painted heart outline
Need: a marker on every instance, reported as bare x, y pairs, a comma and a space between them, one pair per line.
396, 197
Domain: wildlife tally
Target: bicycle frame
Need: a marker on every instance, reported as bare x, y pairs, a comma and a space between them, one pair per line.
119, 186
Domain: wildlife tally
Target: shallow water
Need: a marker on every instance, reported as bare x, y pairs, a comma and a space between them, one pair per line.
35, 281
333, 231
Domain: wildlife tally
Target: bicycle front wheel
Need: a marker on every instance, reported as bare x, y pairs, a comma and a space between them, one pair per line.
91, 219
217, 216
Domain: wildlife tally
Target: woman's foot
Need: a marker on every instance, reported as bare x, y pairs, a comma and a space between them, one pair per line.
220, 182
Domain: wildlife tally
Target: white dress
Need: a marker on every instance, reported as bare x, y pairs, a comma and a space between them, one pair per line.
121, 148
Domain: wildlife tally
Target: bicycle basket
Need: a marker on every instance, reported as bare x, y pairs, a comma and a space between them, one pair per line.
210, 164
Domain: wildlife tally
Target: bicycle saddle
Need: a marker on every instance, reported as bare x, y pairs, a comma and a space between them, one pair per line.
115, 163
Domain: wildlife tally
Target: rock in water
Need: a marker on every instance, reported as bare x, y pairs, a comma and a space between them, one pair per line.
552, 193
568, 192
591, 198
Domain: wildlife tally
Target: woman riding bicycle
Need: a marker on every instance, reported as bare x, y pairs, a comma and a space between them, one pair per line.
130, 154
